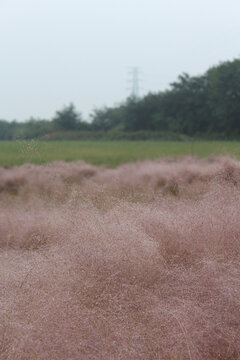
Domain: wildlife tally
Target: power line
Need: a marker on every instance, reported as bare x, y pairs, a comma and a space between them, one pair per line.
134, 79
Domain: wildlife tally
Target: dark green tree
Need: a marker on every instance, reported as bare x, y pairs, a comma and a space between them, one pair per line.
67, 118
107, 118
5, 130
224, 97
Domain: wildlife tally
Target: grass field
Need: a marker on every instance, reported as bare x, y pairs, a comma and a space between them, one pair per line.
139, 262
110, 153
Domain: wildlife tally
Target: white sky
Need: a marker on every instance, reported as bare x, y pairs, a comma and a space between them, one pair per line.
58, 51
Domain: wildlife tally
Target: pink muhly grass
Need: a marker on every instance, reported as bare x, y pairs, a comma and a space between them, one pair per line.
113, 264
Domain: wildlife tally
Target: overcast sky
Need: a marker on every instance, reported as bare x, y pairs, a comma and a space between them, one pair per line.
58, 51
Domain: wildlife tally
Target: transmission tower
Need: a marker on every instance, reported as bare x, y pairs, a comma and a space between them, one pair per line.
135, 81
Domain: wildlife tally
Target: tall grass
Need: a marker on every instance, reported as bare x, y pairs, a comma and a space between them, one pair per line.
137, 262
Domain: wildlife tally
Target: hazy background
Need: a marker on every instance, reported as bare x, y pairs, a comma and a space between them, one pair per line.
57, 51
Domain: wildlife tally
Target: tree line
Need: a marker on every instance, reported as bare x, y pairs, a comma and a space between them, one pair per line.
207, 105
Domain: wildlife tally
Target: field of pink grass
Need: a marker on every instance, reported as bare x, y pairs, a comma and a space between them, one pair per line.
140, 262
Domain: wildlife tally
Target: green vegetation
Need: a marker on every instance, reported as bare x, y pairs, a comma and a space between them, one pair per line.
201, 107
109, 153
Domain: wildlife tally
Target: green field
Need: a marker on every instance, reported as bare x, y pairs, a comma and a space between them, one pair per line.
110, 153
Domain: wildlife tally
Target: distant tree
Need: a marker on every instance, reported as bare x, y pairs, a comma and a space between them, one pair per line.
189, 103
100, 119
205, 104
107, 118
67, 118
132, 114
5, 130
194, 105
224, 96
34, 128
